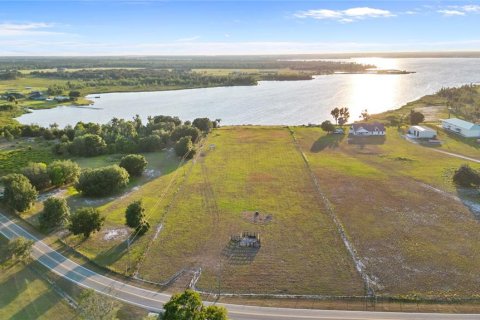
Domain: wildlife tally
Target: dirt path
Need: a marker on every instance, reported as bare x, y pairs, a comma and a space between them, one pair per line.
457, 155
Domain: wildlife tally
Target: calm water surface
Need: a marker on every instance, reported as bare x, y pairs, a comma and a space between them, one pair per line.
279, 102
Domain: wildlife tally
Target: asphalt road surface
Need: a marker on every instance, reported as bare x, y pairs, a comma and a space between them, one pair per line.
153, 301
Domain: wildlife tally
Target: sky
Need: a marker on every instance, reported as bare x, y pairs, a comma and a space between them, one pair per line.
143, 27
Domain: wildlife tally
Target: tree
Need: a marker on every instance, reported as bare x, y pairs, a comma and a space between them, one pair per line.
94, 306
151, 143
135, 217
20, 248
74, 95
88, 145
184, 147
466, 177
63, 172
327, 126
37, 173
102, 181
203, 124
416, 117
188, 305
85, 221
184, 131
8, 135
55, 213
135, 164
365, 115
19, 194
344, 114
335, 114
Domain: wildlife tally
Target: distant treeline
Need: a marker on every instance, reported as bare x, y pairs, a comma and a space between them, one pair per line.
143, 77
180, 63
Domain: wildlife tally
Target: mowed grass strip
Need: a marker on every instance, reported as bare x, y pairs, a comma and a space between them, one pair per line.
249, 169
23, 295
413, 237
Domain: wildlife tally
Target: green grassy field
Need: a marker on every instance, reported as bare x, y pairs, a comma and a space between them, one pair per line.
406, 219
252, 169
24, 295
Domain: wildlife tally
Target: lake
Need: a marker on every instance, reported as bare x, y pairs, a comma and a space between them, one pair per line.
279, 102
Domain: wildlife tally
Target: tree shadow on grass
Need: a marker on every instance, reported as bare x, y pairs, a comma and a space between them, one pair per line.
367, 140
238, 255
470, 198
331, 141
10, 289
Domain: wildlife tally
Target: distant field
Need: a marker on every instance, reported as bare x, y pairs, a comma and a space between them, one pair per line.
24, 295
402, 213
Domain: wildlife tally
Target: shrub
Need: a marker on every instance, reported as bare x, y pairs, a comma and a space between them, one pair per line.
203, 124
327, 126
135, 217
86, 221
416, 117
102, 181
135, 164
37, 173
88, 145
467, 177
184, 131
184, 147
19, 194
55, 213
151, 143
20, 248
63, 172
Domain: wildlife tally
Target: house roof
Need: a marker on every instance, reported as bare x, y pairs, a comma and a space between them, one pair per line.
422, 129
369, 126
462, 124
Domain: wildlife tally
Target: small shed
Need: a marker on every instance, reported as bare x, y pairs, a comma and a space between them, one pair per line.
421, 132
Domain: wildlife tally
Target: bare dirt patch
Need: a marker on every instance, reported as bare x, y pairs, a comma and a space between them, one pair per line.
115, 234
257, 217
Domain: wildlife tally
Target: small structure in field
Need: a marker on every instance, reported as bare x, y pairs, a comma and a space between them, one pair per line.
420, 132
367, 129
462, 127
257, 217
247, 239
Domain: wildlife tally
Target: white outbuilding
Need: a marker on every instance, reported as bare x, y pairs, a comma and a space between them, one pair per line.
420, 132
462, 127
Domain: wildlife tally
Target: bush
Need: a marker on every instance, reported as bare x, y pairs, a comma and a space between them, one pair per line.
184, 147
135, 164
88, 145
184, 131
19, 194
466, 177
135, 217
55, 213
102, 181
20, 248
151, 143
63, 172
327, 126
416, 117
203, 124
86, 221
188, 305
38, 175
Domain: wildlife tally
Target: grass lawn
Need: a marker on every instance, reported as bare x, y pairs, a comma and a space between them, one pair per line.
401, 212
252, 169
24, 295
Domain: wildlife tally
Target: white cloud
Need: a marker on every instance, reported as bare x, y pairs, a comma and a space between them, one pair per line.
348, 15
471, 8
451, 13
26, 29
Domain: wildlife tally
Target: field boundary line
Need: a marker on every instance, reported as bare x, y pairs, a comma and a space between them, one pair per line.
360, 267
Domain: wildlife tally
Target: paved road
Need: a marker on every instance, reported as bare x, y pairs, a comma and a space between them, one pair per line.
153, 301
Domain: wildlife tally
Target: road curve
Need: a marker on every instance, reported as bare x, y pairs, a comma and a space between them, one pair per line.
153, 301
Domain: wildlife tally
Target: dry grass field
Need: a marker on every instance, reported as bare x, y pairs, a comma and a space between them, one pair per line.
253, 169
402, 213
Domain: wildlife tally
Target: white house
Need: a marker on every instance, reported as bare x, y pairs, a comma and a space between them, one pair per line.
367, 129
420, 132
462, 127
